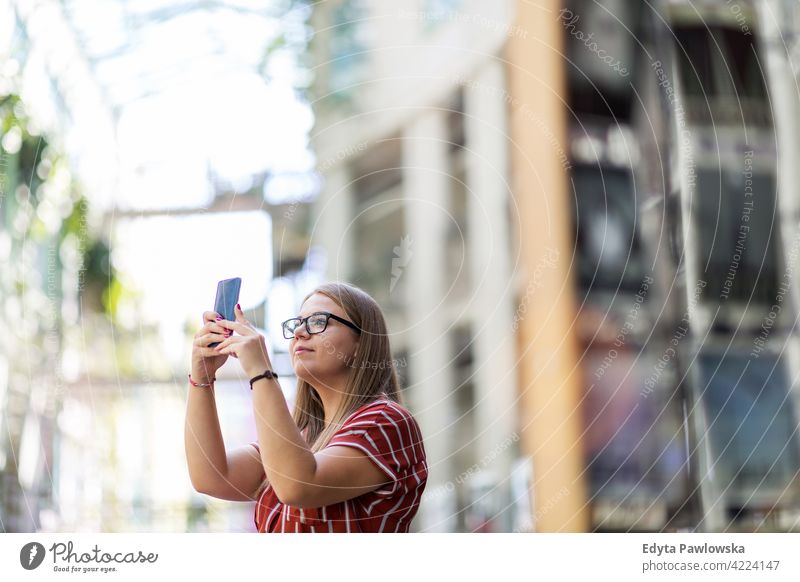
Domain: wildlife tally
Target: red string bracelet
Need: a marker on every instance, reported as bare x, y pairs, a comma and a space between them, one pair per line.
193, 383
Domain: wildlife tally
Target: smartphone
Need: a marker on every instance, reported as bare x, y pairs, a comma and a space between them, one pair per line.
227, 298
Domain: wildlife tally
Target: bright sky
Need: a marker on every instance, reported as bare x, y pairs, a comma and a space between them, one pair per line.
176, 263
155, 99
240, 127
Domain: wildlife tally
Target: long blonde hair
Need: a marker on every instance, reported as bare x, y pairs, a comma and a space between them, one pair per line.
372, 369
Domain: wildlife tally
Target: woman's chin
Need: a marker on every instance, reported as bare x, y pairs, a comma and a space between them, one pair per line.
304, 372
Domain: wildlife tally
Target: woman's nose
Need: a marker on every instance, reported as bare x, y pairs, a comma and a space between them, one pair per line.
301, 332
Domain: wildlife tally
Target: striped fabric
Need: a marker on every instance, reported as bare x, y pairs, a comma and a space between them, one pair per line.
388, 434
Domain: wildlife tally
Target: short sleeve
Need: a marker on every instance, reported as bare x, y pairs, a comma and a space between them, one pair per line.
383, 433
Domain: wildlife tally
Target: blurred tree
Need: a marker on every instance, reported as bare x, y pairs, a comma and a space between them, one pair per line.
43, 218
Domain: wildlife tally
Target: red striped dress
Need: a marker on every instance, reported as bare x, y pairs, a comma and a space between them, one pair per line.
388, 434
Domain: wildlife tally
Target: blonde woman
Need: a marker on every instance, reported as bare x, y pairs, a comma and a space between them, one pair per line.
349, 459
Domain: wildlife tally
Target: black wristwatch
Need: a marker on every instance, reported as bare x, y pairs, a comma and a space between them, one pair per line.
268, 374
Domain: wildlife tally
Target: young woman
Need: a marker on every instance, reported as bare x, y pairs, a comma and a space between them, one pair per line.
350, 458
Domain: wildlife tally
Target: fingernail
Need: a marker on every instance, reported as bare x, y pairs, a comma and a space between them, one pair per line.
237, 307
219, 317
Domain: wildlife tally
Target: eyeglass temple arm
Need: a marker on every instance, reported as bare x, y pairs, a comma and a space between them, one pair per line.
344, 321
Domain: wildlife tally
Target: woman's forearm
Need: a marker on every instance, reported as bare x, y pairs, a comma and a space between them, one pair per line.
205, 448
288, 462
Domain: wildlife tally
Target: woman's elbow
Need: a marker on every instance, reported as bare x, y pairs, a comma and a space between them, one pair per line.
198, 486
295, 495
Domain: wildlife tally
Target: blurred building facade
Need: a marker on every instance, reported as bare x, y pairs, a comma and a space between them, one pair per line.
415, 211
684, 262
626, 177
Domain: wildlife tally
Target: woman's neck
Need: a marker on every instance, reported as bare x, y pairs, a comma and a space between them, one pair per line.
331, 400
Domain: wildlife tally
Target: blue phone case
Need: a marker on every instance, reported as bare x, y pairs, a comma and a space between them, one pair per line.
227, 298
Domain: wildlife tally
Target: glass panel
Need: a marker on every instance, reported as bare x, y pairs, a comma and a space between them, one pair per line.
609, 251
742, 64
733, 248
634, 441
695, 61
752, 428
382, 253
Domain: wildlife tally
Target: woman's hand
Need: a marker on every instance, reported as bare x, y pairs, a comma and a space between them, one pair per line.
249, 346
205, 360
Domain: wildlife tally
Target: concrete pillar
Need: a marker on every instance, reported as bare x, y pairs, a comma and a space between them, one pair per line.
775, 23
425, 161
491, 288
332, 228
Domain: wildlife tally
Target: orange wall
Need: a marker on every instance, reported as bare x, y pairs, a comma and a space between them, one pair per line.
549, 375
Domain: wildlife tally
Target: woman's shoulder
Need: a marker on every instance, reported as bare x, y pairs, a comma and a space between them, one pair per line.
385, 416
382, 406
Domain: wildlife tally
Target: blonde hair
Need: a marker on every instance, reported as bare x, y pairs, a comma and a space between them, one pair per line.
372, 369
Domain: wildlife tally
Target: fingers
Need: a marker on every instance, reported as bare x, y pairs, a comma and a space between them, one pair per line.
202, 341
242, 328
222, 345
211, 320
240, 314
209, 316
240, 318
211, 326
208, 352
227, 343
217, 328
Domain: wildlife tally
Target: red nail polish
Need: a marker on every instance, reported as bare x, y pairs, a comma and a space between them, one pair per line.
237, 307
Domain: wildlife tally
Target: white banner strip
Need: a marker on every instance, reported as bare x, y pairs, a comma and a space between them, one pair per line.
386, 557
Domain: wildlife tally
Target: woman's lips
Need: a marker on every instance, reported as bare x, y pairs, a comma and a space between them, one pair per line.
302, 350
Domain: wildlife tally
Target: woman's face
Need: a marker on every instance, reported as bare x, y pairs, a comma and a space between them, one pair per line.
323, 358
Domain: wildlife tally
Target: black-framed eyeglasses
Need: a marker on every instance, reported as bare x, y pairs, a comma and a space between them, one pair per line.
315, 323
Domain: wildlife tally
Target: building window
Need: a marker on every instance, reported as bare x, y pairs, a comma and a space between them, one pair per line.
455, 122
608, 246
752, 429
721, 76
348, 50
633, 442
737, 235
437, 12
382, 251
458, 268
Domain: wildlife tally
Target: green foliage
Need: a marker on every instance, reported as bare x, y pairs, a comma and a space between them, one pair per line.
36, 164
